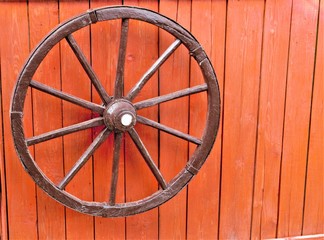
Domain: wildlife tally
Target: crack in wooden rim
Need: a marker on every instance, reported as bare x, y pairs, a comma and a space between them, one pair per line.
194, 163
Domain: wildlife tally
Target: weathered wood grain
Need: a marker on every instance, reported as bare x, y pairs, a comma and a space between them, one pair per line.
170, 96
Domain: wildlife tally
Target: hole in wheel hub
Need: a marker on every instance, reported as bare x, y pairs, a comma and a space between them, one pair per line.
120, 115
126, 119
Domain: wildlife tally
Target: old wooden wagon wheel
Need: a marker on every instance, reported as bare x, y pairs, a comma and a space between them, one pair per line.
118, 113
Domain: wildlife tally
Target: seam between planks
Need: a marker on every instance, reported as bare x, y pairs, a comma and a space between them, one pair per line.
310, 113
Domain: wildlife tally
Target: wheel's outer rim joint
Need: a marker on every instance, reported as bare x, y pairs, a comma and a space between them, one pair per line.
93, 16
192, 169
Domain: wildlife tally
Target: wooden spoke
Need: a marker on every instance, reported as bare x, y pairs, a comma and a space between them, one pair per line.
87, 67
169, 130
84, 158
139, 144
140, 84
65, 130
119, 84
167, 97
67, 97
113, 187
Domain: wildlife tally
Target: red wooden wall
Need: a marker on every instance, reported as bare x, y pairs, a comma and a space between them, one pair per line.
264, 177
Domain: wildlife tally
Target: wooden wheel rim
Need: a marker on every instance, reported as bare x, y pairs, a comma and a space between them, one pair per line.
194, 163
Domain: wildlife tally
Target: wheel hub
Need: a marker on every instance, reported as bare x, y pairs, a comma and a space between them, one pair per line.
120, 115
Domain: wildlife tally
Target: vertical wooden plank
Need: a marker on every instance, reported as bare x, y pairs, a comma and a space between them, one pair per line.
105, 39
142, 51
78, 226
271, 117
174, 151
208, 26
242, 73
297, 116
3, 194
22, 214
313, 221
43, 16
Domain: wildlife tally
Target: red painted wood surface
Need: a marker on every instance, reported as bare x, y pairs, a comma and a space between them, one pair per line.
264, 177
314, 193
20, 191
3, 202
297, 117
271, 117
241, 91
